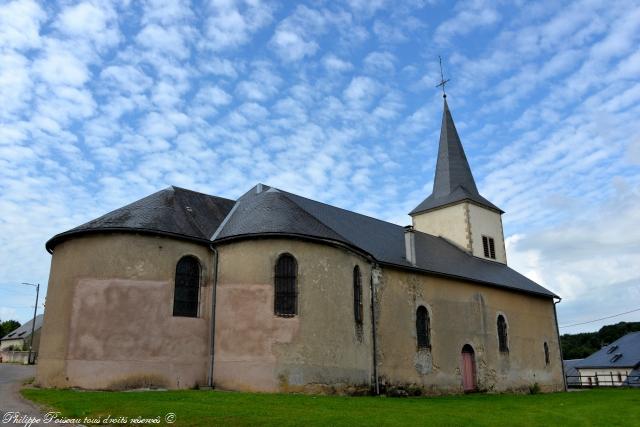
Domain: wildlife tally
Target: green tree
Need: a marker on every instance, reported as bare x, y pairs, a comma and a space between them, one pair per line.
579, 346
8, 326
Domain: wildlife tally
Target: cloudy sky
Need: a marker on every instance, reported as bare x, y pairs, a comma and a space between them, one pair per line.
103, 103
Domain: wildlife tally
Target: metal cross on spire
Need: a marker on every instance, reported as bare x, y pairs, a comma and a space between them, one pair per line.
442, 80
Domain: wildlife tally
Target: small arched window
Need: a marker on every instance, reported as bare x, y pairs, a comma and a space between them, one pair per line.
423, 328
187, 287
502, 334
357, 295
546, 353
286, 294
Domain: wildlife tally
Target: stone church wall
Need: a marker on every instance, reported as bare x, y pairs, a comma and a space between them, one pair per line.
109, 318
464, 313
320, 349
109, 322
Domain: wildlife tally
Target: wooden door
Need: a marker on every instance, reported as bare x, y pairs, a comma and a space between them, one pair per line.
468, 369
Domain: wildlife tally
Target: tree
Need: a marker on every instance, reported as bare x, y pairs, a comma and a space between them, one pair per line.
579, 346
7, 326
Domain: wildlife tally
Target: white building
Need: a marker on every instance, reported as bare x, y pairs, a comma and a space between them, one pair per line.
613, 365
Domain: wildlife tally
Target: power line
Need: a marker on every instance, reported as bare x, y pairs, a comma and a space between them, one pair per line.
602, 318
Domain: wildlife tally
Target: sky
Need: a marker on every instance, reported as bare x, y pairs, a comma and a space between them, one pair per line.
102, 103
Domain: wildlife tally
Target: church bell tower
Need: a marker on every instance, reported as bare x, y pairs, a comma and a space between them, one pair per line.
455, 210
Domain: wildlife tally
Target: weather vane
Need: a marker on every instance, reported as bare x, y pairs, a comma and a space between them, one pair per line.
442, 80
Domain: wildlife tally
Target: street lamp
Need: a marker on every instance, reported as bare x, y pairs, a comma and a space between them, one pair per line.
33, 323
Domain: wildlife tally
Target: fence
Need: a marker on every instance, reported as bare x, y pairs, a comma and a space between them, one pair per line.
11, 356
603, 380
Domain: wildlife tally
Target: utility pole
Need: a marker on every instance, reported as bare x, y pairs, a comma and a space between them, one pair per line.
33, 323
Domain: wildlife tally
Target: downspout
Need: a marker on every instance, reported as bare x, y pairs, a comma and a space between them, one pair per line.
555, 315
374, 266
212, 333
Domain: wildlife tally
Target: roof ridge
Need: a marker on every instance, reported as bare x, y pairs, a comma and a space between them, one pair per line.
286, 194
175, 187
342, 209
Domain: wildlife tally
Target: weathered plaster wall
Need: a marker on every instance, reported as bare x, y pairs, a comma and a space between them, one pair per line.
109, 319
319, 348
488, 223
464, 313
109, 314
450, 222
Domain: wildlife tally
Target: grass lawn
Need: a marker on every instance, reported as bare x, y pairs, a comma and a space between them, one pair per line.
205, 408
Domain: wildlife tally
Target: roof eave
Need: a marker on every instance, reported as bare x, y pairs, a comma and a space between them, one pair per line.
61, 237
267, 235
550, 295
444, 205
605, 367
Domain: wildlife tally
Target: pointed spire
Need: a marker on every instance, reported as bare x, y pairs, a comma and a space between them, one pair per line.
452, 169
453, 180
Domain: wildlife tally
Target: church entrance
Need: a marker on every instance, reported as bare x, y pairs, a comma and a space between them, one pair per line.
468, 369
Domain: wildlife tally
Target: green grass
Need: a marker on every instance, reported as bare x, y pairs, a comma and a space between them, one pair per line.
205, 408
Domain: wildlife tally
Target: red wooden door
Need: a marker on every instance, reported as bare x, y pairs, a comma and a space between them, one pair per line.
468, 369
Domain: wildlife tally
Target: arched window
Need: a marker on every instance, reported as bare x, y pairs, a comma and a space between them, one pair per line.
187, 287
546, 353
423, 328
357, 295
286, 295
502, 334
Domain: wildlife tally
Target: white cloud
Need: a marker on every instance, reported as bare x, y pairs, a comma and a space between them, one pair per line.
89, 22
15, 83
128, 79
293, 38
332, 63
291, 46
470, 16
58, 65
361, 89
231, 24
164, 40
20, 22
382, 62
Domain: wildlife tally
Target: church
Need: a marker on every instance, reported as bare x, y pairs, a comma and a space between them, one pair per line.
275, 292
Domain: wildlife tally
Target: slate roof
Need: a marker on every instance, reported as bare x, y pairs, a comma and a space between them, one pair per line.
453, 180
173, 211
266, 211
628, 347
633, 379
276, 212
24, 331
570, 371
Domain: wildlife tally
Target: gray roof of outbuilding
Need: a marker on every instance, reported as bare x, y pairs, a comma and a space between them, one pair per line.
273, 211
453, 180
628, 346
570, 371
24, 331
173, 211
633, 379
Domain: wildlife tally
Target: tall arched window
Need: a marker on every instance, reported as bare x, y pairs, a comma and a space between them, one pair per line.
423, 328
502, 334
546, 353
286, 295
357, 295
187, 287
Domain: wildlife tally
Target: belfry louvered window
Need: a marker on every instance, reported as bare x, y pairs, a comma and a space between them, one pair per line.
357, 295
489, 247
502, 334
286, 293
187, 287
423, 328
